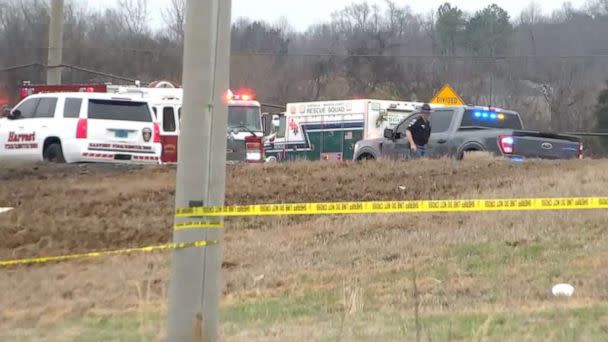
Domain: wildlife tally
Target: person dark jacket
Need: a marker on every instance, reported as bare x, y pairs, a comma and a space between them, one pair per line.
419, 132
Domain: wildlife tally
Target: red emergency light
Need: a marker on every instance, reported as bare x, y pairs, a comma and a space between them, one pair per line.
242, 95
229, 95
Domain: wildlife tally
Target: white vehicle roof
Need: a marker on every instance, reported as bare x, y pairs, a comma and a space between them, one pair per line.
170, 95
155, 94
84, 95
351, 106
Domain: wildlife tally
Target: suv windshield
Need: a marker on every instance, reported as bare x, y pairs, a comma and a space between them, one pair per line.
119, 110
244, 119
482, 118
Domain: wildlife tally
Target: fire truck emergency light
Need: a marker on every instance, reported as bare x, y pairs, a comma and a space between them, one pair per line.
245, 96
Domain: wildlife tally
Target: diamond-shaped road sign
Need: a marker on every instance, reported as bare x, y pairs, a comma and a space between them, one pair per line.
447, 96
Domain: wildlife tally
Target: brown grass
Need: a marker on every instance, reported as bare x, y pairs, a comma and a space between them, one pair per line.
465, 263
74, 209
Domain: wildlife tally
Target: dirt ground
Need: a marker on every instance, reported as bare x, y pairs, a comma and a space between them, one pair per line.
310, 270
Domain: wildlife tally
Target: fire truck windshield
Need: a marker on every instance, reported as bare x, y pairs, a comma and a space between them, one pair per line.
243, 118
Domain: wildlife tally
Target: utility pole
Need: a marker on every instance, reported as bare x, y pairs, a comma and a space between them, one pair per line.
53, 75
195, 288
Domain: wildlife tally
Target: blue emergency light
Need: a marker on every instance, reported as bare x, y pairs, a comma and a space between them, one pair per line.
485, 115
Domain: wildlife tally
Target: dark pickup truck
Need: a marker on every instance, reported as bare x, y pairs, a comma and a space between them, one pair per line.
458, 130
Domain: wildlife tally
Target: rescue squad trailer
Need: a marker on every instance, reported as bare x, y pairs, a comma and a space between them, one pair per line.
329, 130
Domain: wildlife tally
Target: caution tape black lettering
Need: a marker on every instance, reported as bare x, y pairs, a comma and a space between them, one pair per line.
92, 255
197, 225
396, 207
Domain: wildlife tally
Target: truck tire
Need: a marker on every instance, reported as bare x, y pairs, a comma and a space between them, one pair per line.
468, 148
54, 153
474, 154
366, 156
463, 153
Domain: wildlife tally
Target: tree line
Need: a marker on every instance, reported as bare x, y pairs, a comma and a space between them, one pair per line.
551, 68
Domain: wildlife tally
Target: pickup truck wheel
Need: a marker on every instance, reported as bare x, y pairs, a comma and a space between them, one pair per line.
53, 153
473, 154
365, 156
460, 155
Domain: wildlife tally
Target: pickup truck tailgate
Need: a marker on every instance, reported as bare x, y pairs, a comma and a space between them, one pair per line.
533, 144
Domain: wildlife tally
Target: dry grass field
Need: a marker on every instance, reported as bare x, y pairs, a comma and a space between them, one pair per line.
438, 277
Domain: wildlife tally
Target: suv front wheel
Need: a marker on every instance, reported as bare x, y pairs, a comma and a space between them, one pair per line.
53, 153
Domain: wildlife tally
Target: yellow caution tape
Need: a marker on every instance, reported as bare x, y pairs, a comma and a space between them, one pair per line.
396, 207
197, 225
149, 249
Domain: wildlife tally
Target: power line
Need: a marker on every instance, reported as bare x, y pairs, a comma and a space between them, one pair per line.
98, 73
343, 55
67, 66
241, 53
19, 67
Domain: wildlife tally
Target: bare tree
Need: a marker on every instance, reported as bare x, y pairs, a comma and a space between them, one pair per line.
529, 18
597, 8
134, 16
567, 94
282, 24
175, 19
397, 18
532, 14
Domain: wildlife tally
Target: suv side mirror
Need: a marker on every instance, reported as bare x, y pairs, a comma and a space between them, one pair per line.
389, 133
16, 114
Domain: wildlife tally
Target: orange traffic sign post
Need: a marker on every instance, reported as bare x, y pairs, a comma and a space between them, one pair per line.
447, 96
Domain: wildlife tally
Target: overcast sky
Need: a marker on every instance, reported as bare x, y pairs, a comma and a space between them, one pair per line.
302, 14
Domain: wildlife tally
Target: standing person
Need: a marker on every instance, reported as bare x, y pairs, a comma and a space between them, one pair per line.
419, 132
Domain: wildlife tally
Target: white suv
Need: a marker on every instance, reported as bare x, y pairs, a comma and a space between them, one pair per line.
80, 127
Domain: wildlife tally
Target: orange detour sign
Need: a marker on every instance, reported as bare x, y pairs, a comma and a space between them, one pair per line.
447, 96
